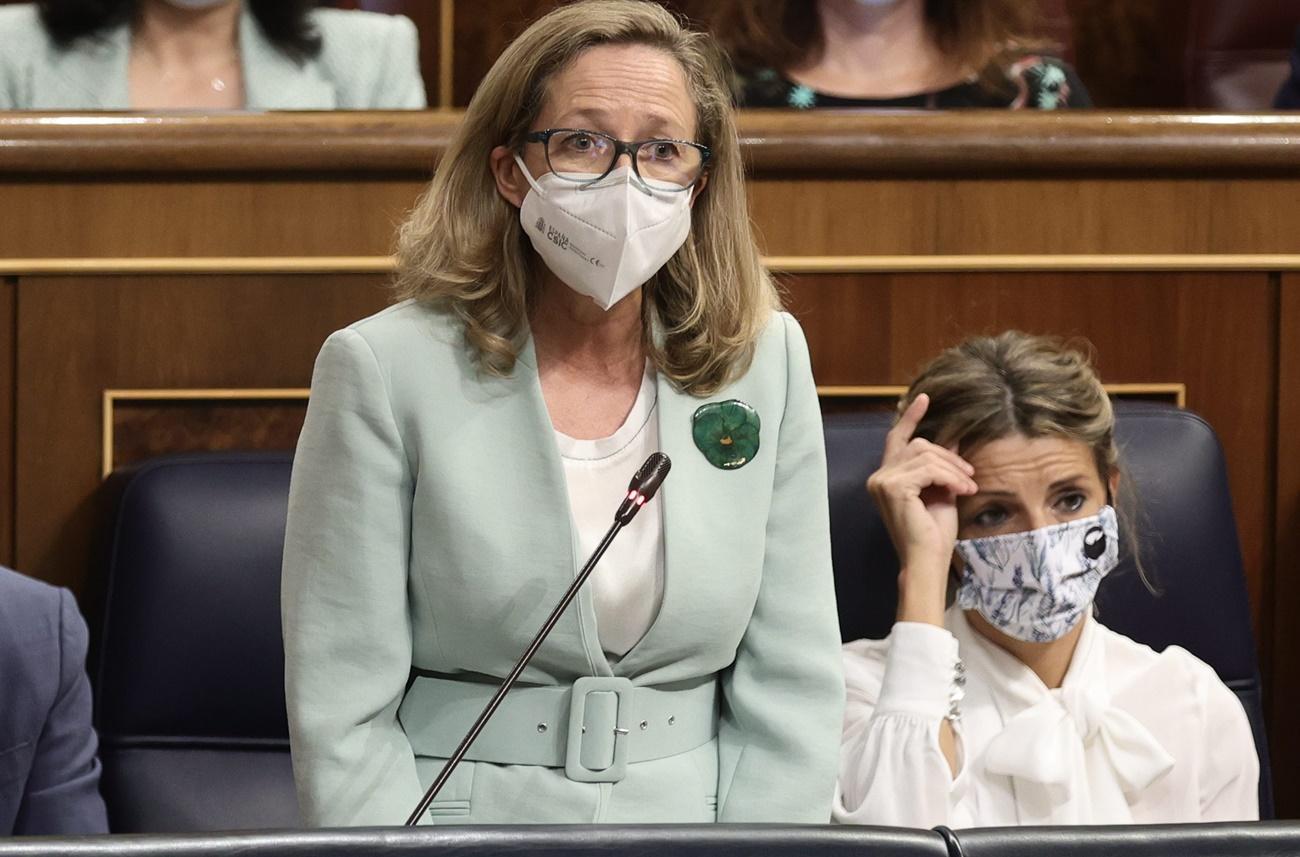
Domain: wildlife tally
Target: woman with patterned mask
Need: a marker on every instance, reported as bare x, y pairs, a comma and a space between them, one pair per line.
1015, 705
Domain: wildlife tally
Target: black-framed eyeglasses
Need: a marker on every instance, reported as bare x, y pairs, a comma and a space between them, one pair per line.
578, 155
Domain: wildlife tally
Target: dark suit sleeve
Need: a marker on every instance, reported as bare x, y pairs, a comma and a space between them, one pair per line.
62, 794
1288, 97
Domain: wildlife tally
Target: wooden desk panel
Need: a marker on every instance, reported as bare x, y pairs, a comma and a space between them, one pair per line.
1282, 588
8, 344
1004, 215
78, 336
116, 217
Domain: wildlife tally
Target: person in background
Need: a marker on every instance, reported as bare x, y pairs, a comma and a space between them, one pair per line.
892, 54
1015, 705
205, 55
49, 771
1288, 97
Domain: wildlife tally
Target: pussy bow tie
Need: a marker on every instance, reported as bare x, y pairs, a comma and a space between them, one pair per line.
1040, 743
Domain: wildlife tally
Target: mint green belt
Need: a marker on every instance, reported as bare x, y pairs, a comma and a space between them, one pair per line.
593, 728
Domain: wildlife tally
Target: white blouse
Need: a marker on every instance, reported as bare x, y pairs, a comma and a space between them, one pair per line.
1131, 736
627, 586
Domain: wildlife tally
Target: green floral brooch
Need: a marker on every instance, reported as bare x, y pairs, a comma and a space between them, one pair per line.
727, 433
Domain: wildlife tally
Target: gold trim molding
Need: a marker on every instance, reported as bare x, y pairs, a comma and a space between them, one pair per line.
1034, 262
777, 264
1177, 390
291, 394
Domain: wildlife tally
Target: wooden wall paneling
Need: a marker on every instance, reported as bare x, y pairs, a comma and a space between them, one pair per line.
1158, 327
889, 215
144, 426
173, 216
1283, 687
1132, 55
482, 33
8, 344
78, 336
484, 28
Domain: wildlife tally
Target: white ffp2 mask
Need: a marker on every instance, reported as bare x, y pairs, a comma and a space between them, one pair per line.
605, 238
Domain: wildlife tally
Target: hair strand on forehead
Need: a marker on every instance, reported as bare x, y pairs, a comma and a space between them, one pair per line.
1015, 384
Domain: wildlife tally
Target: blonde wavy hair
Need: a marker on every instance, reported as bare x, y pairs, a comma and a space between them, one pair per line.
463, 247
992, 387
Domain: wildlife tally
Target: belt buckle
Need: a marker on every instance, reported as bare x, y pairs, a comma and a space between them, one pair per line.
621, 726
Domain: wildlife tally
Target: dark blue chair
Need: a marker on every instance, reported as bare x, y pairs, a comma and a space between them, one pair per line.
190, 684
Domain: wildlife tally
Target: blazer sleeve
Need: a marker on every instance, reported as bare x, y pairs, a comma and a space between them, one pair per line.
347, 632
399, 85
783, 697
62, 792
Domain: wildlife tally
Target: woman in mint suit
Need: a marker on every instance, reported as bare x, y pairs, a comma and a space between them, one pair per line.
462, 447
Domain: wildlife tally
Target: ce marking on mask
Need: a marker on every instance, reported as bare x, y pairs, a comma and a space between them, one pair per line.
559, 239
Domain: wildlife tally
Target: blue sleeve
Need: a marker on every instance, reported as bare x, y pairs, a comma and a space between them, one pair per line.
62, 794
1288, 97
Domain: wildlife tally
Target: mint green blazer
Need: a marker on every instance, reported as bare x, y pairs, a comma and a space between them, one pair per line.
367, 62
429, 528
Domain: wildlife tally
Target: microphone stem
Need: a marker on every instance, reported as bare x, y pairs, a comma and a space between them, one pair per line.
512, 677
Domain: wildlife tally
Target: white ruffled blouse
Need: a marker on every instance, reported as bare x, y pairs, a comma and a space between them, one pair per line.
1131, 736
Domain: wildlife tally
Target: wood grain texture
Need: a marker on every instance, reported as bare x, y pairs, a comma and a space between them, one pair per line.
78, 336
1283, 695
149, 216
8, 345
924, 215
145, 429
880, 329
775, 142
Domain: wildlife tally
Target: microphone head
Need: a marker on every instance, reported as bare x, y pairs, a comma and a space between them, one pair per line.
647, 480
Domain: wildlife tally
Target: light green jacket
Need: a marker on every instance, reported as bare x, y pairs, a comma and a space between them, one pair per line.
366, 62
429, 527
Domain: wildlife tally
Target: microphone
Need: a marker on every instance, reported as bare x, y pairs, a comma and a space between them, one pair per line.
645, 483
640, 490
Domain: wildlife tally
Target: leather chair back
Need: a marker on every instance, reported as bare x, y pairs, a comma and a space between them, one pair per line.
190, 685
1189, 545
1185, 840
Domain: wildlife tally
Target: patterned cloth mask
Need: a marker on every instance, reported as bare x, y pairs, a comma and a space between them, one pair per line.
1035, 585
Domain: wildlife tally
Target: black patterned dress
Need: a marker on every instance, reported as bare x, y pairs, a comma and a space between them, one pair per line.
1034, 82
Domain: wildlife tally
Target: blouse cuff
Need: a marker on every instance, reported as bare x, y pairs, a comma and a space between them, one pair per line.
923, 673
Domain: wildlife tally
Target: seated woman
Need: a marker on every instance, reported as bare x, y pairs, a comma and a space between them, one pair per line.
893, 54
205, 55
1016, 705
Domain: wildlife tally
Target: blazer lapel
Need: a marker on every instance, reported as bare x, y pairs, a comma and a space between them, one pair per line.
705, 518
92, 76
275, 81
576, 632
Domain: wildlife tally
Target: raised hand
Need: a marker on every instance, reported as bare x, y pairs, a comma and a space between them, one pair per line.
916, 491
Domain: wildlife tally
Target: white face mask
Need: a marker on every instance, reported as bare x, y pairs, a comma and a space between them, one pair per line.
1036, 585
605, 239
